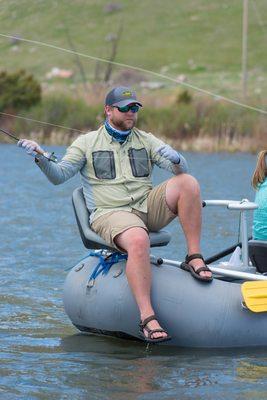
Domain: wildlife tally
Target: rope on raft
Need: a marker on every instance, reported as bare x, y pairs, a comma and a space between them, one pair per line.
105, 263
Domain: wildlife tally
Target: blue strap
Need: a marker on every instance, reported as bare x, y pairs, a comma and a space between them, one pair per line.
105, 263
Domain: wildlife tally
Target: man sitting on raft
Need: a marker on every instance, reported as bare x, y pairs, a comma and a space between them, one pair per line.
115, 163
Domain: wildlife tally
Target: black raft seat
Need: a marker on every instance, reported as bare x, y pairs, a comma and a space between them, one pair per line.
257, 250
93, 241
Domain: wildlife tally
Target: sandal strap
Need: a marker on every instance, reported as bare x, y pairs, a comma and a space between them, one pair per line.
200, 269
193, 257
152, 331
147, 320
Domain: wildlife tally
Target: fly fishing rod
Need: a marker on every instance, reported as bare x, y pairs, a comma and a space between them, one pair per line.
48, 156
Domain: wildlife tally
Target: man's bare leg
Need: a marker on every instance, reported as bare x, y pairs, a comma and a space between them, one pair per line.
183, 197
138, 271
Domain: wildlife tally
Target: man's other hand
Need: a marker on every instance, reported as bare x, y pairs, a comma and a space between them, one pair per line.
169, 153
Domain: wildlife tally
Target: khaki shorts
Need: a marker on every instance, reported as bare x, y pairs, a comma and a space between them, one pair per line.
111, 224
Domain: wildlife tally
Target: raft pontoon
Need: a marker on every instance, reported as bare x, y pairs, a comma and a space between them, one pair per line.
196, 314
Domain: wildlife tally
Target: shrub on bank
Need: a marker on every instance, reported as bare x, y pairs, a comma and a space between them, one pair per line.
172, 122
18, 90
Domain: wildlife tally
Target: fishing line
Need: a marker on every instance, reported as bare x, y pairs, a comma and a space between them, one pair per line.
42, 122
157, 74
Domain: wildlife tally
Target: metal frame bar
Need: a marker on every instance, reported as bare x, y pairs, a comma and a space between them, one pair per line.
243, 206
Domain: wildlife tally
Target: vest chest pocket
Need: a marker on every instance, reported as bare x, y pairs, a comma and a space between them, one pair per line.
139, 162
104, 164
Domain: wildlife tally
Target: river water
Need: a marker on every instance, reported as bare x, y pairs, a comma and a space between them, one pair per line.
42, 354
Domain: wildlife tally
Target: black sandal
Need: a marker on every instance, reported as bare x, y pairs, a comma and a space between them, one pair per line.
143, 327
196, 272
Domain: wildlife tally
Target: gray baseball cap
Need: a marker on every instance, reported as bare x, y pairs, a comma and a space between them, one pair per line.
121, 96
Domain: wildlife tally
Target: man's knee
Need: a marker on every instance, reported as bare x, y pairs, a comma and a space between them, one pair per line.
134, 240
191, 183
183, 186
184, 182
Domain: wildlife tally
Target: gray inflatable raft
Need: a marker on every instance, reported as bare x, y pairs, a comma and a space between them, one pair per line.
194, 313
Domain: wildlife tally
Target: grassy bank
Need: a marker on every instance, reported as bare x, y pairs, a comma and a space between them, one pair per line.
188, 123
199, 39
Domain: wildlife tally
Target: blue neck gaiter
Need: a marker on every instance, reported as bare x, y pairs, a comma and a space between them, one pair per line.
119, 136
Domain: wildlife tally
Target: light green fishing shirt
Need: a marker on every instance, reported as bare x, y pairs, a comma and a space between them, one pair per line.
114, 176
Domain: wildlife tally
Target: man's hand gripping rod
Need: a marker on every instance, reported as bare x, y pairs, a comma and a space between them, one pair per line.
48, 156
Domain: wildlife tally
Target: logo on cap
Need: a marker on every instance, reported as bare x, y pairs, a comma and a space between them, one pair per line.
127, 93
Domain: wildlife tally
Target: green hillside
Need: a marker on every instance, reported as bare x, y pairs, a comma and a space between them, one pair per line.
199, 39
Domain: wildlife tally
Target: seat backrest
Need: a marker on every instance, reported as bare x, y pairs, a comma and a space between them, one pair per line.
90, 239
257, 250
93, 241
